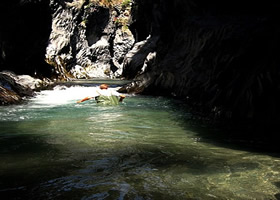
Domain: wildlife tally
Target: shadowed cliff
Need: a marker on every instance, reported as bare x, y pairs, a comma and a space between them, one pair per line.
221, 57
25, 27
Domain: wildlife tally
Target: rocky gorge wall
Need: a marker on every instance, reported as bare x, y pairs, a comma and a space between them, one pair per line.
220, 57
65, 39
89, 39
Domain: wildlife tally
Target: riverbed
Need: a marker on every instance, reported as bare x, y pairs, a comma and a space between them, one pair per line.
145, 148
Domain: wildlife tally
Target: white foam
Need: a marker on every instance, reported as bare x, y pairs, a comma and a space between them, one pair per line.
63, 95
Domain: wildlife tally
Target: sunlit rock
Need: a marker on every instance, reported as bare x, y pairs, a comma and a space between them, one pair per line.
136, 57
79, 72
89, 35
122, 44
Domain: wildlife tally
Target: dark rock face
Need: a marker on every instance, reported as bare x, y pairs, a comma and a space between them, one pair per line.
24, 31
222, 56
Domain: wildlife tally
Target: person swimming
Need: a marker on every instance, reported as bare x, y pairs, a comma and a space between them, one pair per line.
105, 96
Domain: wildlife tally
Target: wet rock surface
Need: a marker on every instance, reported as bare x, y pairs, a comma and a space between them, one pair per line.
14, 88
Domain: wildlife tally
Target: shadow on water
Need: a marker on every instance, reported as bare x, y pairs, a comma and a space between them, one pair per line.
27, 159
137, 174
124, 174
259, 141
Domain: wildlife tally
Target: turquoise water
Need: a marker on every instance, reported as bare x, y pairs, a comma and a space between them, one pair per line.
53, 148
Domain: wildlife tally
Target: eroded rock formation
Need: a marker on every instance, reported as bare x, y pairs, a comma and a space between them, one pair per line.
89, 40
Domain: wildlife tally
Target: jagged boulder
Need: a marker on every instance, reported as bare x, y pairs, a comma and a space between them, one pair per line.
13, 88
12, 82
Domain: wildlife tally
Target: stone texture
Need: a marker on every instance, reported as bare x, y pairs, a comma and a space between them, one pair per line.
221, 58
14, 88
87, 35
8, 97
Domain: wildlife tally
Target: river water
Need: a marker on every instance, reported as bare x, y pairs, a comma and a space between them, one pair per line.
146, 148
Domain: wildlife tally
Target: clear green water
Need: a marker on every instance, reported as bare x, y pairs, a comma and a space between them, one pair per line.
53, 148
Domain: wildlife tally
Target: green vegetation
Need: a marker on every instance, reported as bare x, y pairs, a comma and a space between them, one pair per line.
107, 3
84, 22
104, 3
125, 4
